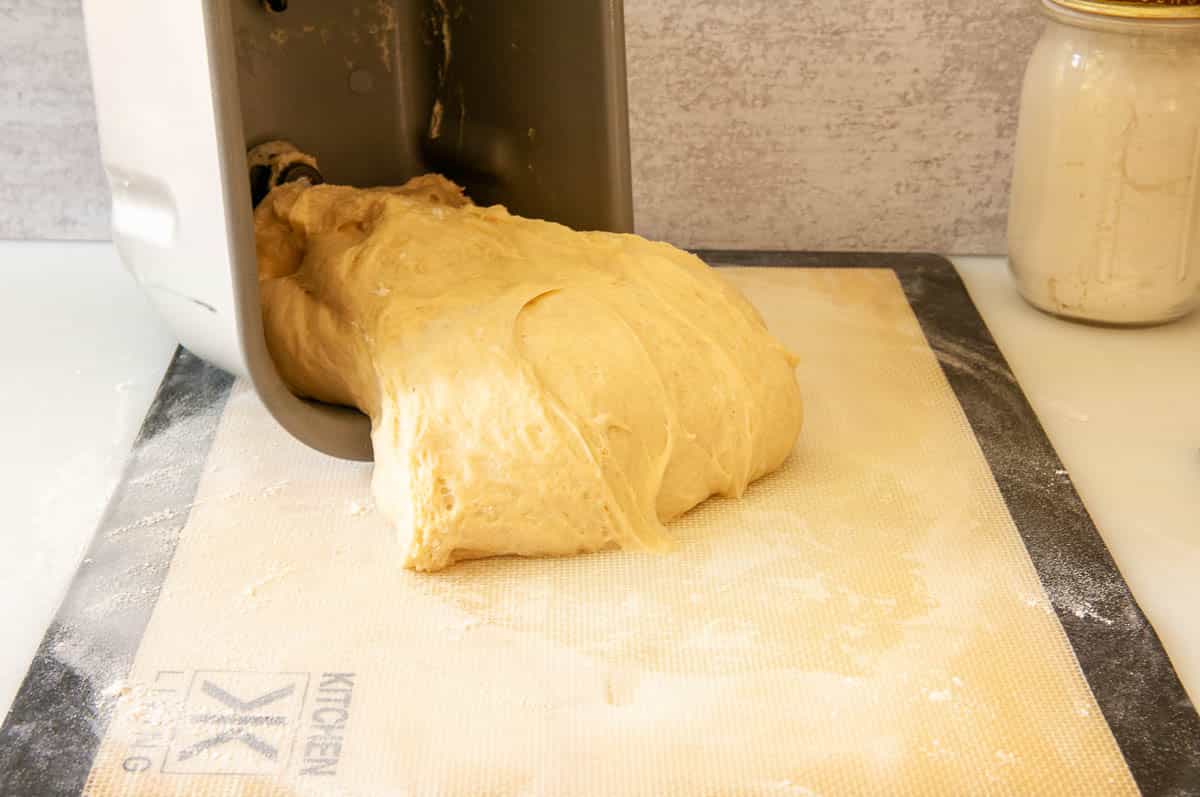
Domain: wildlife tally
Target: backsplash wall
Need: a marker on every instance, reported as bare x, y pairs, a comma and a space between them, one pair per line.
754, 123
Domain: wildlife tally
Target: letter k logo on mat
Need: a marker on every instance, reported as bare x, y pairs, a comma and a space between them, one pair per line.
238, 722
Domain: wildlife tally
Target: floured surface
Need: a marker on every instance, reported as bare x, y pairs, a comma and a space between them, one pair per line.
867, 618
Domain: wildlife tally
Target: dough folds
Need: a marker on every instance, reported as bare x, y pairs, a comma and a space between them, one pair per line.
533, 390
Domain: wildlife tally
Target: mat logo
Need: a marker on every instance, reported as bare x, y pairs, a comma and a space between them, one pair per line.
237, 723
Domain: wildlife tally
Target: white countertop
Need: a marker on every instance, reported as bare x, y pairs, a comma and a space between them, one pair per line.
83, 354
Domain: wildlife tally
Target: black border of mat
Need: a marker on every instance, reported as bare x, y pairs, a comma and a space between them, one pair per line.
55, 724
54, 727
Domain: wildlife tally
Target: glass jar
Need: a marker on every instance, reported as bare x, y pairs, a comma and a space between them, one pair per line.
1105, 197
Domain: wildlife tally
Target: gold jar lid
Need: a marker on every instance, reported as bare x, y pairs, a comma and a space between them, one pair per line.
1136, 9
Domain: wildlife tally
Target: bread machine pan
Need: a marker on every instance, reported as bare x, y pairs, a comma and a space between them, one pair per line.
522, 102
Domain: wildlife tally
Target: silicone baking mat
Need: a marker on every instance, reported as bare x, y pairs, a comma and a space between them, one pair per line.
916, 603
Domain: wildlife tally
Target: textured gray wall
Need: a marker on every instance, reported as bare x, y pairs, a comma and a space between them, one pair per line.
51, 184
825, 124
755, 123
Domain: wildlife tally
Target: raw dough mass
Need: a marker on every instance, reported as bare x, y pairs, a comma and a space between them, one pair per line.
533, 390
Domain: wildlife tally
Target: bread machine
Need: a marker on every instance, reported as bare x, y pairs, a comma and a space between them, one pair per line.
522, 102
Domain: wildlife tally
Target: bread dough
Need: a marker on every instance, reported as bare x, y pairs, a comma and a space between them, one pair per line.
532, 389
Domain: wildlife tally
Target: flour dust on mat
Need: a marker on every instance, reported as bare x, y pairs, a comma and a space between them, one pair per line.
864, 620
533, 390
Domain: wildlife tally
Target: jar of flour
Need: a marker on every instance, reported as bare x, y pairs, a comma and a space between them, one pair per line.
1103, 223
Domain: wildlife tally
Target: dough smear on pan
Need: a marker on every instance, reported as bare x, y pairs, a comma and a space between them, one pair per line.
532, 390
